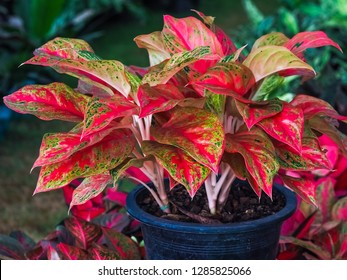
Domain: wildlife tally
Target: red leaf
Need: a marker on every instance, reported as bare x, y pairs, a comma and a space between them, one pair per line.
158, 98
309, 39
52, 253
182, 167
71, 252
339, 210
304, 188
116, 196
93, 160
286, 126
196, 131
259, 156
11, 248
99, 252
268, 60
48, 102
225, 77
85, 233
122, 244
100, 112
325, 196
254, 113
155, 46
187, 34
114, 220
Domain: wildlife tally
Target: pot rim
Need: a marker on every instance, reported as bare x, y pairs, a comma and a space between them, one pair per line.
137, 213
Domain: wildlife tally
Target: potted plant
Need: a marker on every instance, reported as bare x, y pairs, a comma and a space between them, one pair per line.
197, 116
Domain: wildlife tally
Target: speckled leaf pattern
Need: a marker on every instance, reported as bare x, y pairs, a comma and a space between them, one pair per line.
100, 252
286, 126
163, 72
325, 196
186, 34
268, 60
224, 77
100, 112
85, 233
71, 252
158, 98
122, 244
254, 113
312, 156
259, 156
271, 39
312, 106
48, 102
90, 188
181, 167
93, 160
309, 39
155, 46
57, 147
196, 131
67, 48
109, 75
339, 210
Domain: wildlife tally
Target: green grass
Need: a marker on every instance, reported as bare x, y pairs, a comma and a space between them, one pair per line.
37, 215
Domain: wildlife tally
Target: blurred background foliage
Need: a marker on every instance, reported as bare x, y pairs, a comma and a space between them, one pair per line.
110, 26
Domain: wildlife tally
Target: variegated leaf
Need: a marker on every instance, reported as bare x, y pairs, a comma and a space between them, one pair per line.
158, 98
48, 102
325, 196
11, 248
186, 34
254, 113
163, 72
72, 253
67, 48
303, 187
100, 112
85, 233
57, 147
100, 252
259, 155
196, 131
309, 39
122, 244
287, 126
312, 106
270, 39
339, 210
268, 60
225, 77
155, 46
109, 75
181, 167
93, 160
90, 188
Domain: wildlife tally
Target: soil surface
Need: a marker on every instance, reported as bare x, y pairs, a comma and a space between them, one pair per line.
243, 205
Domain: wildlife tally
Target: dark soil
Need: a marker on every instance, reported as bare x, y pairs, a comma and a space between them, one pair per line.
243, 205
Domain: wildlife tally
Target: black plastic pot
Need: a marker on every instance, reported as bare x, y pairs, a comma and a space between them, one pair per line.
172, 240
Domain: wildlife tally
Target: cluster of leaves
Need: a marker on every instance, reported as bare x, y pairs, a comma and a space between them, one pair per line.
99, 229
197, 111
320, 233
298, 15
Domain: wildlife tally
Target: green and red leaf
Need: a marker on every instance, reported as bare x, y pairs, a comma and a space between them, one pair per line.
309, 39
271, 39
196, 131
100, 252
122, 244
93, 160
303, 187
11, 248
48, 102
100, 112
186, 34
110, 75
69, 252
259, 155
253, 113
325, 196
155, 46
181, 167
85, 233
287, 126
267, 60
225, 77
90, 188
339, 210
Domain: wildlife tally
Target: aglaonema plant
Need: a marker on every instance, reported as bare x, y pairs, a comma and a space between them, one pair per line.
196, 115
